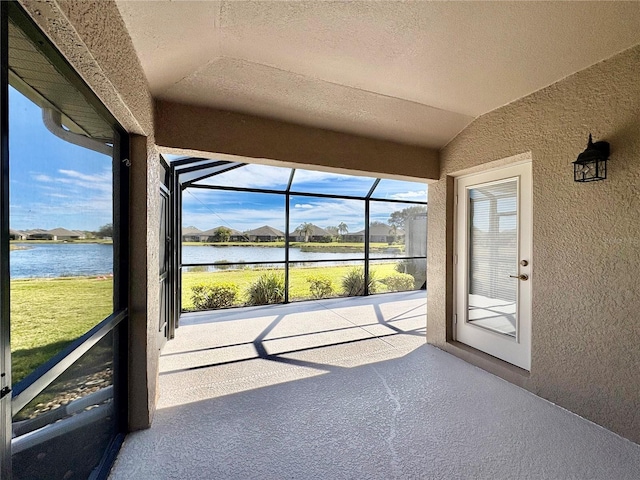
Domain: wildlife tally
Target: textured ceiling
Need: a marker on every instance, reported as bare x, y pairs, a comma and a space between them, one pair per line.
414, 72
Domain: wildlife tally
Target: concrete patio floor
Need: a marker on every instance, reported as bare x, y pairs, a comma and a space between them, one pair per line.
347, 388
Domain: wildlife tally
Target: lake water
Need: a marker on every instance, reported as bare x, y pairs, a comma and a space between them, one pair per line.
88, 259
61, 260
211, 254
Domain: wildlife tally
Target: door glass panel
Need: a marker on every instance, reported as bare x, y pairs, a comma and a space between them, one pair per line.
493, 257
61, 213
64, 431
62, 231
164, 265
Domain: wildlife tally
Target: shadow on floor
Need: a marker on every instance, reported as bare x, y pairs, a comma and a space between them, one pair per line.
414, 313
426, 415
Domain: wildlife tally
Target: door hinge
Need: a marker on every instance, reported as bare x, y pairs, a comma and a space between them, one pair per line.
455, 200
455, 259
455, 318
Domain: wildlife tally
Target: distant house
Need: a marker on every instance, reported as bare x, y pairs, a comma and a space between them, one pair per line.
378, 233
237, 236
191, 234
317, 235
383, 233
17, 235
39, 234
264, 234
64, 234
210, 235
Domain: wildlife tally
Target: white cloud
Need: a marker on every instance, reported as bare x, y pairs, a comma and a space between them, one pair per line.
39, 177
252, 176
71, 199
99, 181
303, 205
304, 176
421, 194
331, 212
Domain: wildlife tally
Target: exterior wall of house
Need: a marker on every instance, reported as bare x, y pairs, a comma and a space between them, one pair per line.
144, 310
218, 131
586, 247
92, 37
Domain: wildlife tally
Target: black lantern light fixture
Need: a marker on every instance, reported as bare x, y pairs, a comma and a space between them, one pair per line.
591, 164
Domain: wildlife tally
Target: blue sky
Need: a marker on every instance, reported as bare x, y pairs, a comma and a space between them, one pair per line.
206, 209
57, 184
53, 183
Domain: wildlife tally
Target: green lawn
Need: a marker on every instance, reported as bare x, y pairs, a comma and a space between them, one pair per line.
299, 286
47, 315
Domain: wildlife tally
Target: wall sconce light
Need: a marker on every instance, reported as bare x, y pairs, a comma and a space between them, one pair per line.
591, 164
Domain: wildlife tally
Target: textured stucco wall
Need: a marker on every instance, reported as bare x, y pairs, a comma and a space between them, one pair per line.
144, 273
586, 240
92, 37
219, 131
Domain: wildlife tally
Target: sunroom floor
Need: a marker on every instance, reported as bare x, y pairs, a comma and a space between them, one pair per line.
348, 388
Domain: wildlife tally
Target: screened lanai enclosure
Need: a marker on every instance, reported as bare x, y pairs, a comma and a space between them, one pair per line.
258, 234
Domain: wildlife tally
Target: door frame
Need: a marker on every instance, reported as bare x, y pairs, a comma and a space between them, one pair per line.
5, 285
166, 270
516, 351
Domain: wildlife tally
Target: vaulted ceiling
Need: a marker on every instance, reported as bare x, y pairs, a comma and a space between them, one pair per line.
413, 72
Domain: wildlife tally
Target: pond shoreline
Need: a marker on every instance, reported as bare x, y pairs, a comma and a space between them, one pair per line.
317, 247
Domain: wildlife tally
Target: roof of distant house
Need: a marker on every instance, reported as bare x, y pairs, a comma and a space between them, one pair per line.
265, 231
63, 232
212, 231
380, 229
190, 230
316, 232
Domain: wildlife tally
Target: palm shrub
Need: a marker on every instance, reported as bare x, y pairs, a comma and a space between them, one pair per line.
353, 282
268, 288
399, 282
320, 286
206, 296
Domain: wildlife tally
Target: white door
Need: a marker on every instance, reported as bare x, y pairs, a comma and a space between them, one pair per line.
493, 263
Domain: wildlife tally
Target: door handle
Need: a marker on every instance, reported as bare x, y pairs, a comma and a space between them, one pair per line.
522, 276
4, 392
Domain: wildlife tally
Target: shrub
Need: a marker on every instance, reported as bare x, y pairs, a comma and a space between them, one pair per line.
222, 264
320, 286
198, 268
353, 282
207, 296
399, 282
415, 267
268, 288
